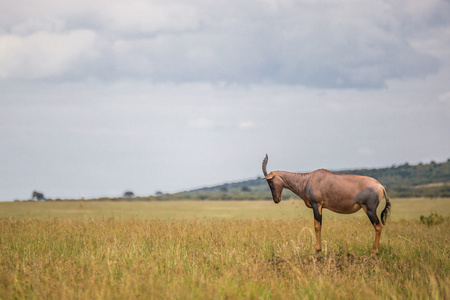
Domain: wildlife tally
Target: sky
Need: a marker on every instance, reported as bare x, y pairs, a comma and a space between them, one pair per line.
101, 97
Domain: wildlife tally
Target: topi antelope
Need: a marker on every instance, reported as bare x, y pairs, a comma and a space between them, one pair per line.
344, 194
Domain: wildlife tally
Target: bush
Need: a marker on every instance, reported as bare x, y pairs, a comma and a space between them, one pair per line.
432, 219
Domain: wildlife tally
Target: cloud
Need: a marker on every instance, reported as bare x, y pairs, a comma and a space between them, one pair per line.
330, 44
149, 17
364, 151
43, 55
247, 125
201, 123
445, 97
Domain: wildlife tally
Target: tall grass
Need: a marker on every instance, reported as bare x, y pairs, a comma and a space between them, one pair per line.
112, 258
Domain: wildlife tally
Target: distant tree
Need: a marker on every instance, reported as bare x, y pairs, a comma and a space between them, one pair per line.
159, 193
245, 189
223, 189
128, 194
38, 196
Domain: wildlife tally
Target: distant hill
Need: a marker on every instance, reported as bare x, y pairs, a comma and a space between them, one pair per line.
421, 180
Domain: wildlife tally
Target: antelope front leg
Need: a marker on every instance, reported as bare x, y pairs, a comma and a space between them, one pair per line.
318, 227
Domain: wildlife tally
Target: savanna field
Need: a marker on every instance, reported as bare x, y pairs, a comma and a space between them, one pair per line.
220, 250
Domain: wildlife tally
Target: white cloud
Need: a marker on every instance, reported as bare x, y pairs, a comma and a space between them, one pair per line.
201, 123
138, 17
364, 151
43, 55
444, 97
246, 125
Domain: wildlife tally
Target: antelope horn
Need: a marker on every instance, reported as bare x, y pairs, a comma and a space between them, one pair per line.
264, 165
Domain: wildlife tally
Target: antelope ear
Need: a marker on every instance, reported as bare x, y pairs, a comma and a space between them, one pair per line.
269, 176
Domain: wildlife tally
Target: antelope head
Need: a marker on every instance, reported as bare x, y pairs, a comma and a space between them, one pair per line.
275, 182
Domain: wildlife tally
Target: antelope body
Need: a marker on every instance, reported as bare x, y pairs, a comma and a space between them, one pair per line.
344, 194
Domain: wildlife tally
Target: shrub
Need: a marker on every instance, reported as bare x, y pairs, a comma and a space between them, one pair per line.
432, 219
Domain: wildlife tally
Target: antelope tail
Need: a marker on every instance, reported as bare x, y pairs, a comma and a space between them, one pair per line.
386, 210
264, 165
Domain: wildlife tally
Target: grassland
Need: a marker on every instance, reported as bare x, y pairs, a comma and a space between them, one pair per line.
403, 208
218, 250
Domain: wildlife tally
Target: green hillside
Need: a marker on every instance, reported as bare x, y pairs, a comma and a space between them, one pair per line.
422, 180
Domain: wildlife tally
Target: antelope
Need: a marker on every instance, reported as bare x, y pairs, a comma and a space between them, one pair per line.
344, 194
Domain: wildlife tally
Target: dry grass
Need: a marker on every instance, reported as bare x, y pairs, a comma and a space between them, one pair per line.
218, 258
403, 209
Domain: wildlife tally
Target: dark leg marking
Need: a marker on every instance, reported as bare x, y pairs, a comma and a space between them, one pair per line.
317, 215
315, 206
317, 218
370, 199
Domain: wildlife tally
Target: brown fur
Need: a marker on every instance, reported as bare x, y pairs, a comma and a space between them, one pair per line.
344, 194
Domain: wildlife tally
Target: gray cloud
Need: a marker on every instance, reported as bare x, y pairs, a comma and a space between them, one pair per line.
326, 45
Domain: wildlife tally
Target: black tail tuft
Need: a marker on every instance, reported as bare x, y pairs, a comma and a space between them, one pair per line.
385, 212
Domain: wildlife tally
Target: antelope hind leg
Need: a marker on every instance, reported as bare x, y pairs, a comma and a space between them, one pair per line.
378, 227
372, 214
